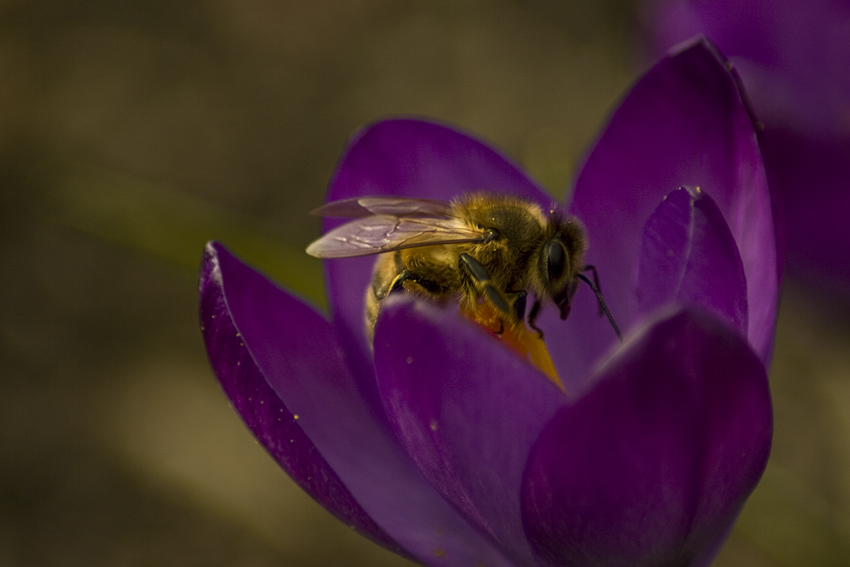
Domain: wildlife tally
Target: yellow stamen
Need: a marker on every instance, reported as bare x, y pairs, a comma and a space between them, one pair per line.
526, 343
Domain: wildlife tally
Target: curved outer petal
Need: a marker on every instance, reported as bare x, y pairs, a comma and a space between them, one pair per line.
264, 413
653, 464
688, 256
684, 123
361, 473
407, 158
466, 409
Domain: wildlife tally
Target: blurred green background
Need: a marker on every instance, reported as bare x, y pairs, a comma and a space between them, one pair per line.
132, 132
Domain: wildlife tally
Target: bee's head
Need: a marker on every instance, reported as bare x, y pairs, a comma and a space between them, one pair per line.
560, 259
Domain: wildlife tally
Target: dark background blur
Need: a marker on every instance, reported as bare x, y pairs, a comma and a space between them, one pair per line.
132, 132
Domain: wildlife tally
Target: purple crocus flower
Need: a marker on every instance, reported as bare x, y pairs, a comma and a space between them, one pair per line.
449, 449
794, 58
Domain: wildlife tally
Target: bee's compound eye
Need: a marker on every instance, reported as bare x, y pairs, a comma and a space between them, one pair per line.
556, 259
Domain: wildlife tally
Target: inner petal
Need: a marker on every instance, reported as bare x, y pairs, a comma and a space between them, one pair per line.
688, 256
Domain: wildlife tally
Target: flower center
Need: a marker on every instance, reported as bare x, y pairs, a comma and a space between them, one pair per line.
526, 343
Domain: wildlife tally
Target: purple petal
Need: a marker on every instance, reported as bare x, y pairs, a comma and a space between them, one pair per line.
653, 464
407, 158
466, 409
684, 123
264, 413
688, 256
296, 352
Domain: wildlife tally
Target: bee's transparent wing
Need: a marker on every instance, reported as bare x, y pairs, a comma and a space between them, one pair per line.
376, 234
398, 206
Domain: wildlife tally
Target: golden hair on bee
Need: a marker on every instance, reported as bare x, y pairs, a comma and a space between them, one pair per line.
479, 247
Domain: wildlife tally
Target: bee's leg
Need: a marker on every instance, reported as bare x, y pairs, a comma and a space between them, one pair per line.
380, 290
397, 285
603, 307
532, 317
478, 273
519, 303
590, 268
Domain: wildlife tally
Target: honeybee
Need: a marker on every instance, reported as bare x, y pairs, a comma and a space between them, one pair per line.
480, 247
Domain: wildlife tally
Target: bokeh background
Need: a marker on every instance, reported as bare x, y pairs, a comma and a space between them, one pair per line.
132, 131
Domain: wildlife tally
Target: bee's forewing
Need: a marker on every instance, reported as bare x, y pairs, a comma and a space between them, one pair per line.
384, 233
398, 206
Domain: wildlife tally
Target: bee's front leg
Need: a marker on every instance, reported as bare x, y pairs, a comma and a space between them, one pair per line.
520, 302
532, 317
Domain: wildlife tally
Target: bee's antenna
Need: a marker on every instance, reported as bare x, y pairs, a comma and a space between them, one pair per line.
601, 301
